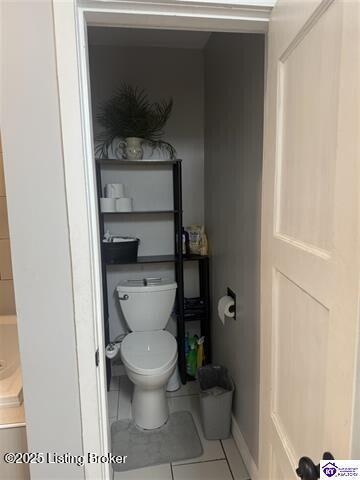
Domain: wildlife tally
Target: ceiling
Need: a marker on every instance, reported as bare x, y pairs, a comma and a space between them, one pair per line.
137, 37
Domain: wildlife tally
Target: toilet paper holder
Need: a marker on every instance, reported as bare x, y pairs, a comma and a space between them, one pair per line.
232, 294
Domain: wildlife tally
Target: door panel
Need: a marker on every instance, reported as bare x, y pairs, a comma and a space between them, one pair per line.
300, 336
310, 234
308, 97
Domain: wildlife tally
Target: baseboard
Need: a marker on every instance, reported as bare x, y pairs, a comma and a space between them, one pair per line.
244, 450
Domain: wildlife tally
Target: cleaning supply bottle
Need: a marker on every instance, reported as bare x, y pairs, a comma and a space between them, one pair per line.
191, 358
187, 351
185, 242
186, 344
200, 353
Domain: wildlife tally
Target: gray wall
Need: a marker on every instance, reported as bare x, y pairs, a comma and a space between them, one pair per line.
234, 73
163, 73
39, 234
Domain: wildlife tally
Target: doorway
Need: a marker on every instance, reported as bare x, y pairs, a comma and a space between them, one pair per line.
239, 19
302, 20
209, 76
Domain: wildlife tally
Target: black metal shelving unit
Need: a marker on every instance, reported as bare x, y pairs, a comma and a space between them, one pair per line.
177, 258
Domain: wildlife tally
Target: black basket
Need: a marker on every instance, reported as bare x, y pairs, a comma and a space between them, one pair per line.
121, 252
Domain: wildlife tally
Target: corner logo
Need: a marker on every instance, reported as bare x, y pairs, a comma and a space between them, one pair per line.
330, 469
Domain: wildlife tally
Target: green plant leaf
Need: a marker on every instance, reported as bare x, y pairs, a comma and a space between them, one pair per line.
129, 113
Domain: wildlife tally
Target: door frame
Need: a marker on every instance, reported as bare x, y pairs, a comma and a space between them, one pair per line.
71, 19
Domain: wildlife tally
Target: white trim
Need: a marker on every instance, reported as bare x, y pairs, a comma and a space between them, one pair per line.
245, 4
12, 425
83, 226
244, 450
189, 8
177, 15
174, 22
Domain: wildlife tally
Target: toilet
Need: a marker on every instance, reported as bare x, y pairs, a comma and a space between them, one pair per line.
149, 353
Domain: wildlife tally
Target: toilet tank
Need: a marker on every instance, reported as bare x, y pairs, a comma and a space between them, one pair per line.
147, 304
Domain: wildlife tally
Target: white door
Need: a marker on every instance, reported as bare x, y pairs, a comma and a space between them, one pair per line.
310, 234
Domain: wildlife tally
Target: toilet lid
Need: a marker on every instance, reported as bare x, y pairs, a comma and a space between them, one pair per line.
149, 353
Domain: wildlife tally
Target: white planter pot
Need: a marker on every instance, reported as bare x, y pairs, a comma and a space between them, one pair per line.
133, 148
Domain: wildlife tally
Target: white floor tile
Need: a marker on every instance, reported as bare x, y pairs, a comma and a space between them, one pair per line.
114, 383
111, 421
236, 463
113, 396
212, 448
158, 472
217, 470
125, 396
191, 388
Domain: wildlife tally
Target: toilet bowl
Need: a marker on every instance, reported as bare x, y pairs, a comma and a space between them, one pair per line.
150, 359
149, 352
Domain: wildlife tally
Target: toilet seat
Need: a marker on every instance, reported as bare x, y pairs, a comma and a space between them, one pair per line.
149, 353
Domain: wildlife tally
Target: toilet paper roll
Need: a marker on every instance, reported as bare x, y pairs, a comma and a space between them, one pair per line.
224, 308
124, 204
114, 190
112, 350
107, 204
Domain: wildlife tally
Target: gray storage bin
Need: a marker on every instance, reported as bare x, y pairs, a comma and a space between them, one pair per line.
216, 393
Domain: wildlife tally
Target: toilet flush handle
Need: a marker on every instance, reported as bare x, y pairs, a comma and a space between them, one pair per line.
124, 297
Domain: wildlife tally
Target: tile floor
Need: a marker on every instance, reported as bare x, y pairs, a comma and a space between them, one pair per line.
220, 461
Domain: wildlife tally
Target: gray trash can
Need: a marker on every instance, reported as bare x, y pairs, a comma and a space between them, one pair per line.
216, 393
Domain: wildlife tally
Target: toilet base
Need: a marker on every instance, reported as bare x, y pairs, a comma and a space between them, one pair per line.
150, 408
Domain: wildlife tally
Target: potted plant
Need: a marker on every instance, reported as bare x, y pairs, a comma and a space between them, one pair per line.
130, 117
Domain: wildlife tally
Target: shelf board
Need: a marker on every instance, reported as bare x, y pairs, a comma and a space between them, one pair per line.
161, 259
143, 163
150, 259
141, 212
195, 258
195, 319
157, 259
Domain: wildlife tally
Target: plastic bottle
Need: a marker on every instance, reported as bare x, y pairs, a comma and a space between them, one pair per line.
200, 352
187, 344
191, 357
185, 242
187, 350
192, 360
